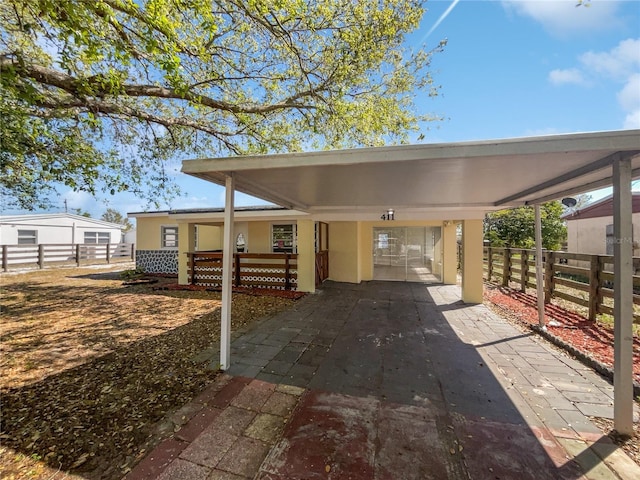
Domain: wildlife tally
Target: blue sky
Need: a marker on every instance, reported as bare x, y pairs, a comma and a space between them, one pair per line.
510, 69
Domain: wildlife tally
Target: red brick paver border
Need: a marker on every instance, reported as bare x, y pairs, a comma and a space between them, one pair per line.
231, 427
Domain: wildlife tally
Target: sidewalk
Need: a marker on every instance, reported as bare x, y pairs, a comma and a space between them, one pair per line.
393, 380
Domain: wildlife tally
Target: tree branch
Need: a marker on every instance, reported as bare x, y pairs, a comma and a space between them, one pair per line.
94, 86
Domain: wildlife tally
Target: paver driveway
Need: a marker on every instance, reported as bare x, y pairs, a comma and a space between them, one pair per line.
403, 381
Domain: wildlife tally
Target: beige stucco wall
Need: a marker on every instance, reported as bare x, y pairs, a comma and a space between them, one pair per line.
186, 243
472, 284
209, 237
449, 253
259, 237
589, 235
149, 233
306, 256
344, 248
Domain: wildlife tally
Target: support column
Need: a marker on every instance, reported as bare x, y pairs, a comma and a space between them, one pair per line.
622, 297
472, 285
306, 256
186, 243
539, 267
449, 253
228, 245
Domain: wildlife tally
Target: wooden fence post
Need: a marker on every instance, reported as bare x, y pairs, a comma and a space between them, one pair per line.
548, 276
506, 267
133, 252
489, 263
108, 245
40, 255
524, 269
5, 259
595, 282
237, 267
78, 254
287, 277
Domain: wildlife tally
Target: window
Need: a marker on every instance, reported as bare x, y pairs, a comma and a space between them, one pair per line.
610, 239
283, 238
170, 237
27, 237
97, 237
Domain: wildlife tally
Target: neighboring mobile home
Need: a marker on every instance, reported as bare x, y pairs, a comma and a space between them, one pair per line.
590, 229
56, 228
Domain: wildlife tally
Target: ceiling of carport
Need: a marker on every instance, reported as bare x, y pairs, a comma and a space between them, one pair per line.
446, 177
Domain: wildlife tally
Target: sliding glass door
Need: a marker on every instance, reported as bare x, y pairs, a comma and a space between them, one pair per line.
407, 254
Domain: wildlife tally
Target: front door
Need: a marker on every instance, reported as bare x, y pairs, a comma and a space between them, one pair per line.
407, 254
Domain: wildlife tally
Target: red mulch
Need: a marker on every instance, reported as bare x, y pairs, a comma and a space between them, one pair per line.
254, 291
592, 338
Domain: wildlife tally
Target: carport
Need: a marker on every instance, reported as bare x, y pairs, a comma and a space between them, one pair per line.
459, 181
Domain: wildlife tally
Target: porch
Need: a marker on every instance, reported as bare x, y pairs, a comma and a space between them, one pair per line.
264, 270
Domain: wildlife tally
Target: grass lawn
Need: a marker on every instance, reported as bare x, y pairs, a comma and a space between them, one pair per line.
90, 366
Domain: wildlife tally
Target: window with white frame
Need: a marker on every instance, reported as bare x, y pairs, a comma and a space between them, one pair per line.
27, 237
97, 237
170, 236
283, 238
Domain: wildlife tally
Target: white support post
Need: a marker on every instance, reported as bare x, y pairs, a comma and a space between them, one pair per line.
539, 266
622, 297
227, 274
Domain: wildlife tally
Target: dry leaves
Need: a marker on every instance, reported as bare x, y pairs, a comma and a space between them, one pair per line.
92, 365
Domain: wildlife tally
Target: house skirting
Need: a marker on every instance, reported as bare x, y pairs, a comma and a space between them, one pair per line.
157, 261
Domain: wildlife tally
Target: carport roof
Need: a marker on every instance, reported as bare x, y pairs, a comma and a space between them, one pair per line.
457, 178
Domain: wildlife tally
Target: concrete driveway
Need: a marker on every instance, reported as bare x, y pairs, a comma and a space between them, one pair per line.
394, 380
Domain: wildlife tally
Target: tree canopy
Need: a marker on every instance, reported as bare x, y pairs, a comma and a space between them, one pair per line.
515, 227
114, 216
101, 95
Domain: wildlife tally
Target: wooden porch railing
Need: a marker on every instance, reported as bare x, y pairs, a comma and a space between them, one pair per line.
583, 279
268, 270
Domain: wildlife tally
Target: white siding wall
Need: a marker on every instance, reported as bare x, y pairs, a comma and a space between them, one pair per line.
55, 230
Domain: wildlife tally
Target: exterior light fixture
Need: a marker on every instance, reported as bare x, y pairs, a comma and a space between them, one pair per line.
388, 215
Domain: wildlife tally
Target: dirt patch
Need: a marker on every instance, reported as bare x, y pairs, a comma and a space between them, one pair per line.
89, 366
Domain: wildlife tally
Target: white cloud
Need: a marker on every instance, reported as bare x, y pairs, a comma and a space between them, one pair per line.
629, 96
629, 99
79, 200
632, 120
563, 18
618, 63
567, 76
